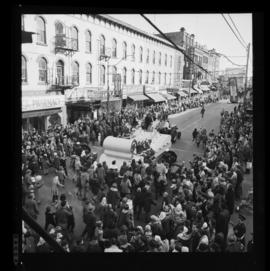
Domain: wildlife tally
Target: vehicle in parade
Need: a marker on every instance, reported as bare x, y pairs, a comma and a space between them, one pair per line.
144, 145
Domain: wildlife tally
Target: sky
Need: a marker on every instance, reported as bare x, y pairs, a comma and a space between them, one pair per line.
209, 29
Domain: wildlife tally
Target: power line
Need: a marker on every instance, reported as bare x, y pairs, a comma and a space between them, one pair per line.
176, 47
237, 30
231, 61
233, 31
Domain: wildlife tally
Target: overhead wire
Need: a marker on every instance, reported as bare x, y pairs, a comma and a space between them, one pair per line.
233, 31
237, 30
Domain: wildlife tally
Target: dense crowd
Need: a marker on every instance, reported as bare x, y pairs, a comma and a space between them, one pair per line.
195, 201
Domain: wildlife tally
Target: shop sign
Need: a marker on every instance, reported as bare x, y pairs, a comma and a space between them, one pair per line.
42, 102
132, 89
149, 89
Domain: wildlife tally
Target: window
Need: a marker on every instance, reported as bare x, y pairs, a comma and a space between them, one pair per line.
147, 56
154, 56
171, 61
75, 73
74, 38
147, 77
88, 42
124, 75
22, 22
102, 75
205, 60
133, 76
124, 50
41, 30
114, 48
141, 54
24, 70
42, 67
159, 78
165, 59
133, 52
140, 77
89, 73
165, 78
153, 78
114, 71
102, 45
170, 79
59, 29
60, 72
159, 59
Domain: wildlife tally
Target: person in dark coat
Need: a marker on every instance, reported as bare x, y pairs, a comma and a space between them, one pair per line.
62, 216
138, 203
240, 230
49, 217
90, 221
147, 198
124, 217
31, 206
222, 222
113, 196
230, 199
109, 218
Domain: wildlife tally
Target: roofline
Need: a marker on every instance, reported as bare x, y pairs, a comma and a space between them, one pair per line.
135, 29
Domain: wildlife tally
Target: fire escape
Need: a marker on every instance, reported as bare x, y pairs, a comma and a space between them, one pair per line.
66, 45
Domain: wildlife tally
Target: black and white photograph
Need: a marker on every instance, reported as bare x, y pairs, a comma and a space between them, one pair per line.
136, 133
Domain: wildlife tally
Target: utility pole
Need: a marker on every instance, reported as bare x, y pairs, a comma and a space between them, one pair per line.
247, 67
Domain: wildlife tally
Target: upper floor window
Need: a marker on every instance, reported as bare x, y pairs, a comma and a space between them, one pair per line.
89, 73
141, 54
170, 79
147, 56
59, 29
165, 75
147, 77
133, 52
102, 75
165, 59
24, 70
114, 48
159, 77
88, 42
75, 73
170, 61
114, 72
41, 30
154, 57
102, 45
124, 50
43, 70
140, 77
74, 38
153, 78
124, 75
133, 76
159, 58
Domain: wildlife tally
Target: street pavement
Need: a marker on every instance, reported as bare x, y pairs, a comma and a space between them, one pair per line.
184, 148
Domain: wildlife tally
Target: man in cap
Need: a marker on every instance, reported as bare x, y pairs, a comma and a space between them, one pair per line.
240, 230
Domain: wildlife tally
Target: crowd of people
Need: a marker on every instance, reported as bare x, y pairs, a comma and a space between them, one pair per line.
194, 201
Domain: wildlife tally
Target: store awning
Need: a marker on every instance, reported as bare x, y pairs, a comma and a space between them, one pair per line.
168, 96
204, 88
112, 99
187, 90
138, 97
197, 89
156, 97
182, 93
83, 94
40, 113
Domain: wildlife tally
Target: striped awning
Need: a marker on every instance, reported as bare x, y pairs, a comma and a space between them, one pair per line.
138, 97
168, 96
156, 97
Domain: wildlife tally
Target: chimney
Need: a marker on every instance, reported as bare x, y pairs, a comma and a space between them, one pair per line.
182, 36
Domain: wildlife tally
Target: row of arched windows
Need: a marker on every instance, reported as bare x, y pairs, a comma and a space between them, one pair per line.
60, 72
60, 32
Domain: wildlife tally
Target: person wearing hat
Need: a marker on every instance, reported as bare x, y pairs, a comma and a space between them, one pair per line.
147, 199
31, 206
113, 196
89, 219
240, 230
138, 203
124, 217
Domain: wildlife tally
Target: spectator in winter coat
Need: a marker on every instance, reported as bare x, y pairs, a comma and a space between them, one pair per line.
90, 221
125, 186
113, 196
147, 198
31, 206
62, 216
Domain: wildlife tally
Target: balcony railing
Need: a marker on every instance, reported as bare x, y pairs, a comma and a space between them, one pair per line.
65, 81
62, 42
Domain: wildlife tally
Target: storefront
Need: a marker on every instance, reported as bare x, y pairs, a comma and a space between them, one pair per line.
154, 95
83, 102
42, 111
133, 96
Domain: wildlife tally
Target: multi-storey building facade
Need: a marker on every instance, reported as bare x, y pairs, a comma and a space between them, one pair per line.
74, 58
208, 59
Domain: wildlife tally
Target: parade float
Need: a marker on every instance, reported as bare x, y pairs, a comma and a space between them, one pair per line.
145, 145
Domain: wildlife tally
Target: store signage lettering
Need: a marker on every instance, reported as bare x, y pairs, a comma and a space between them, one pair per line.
37, 103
